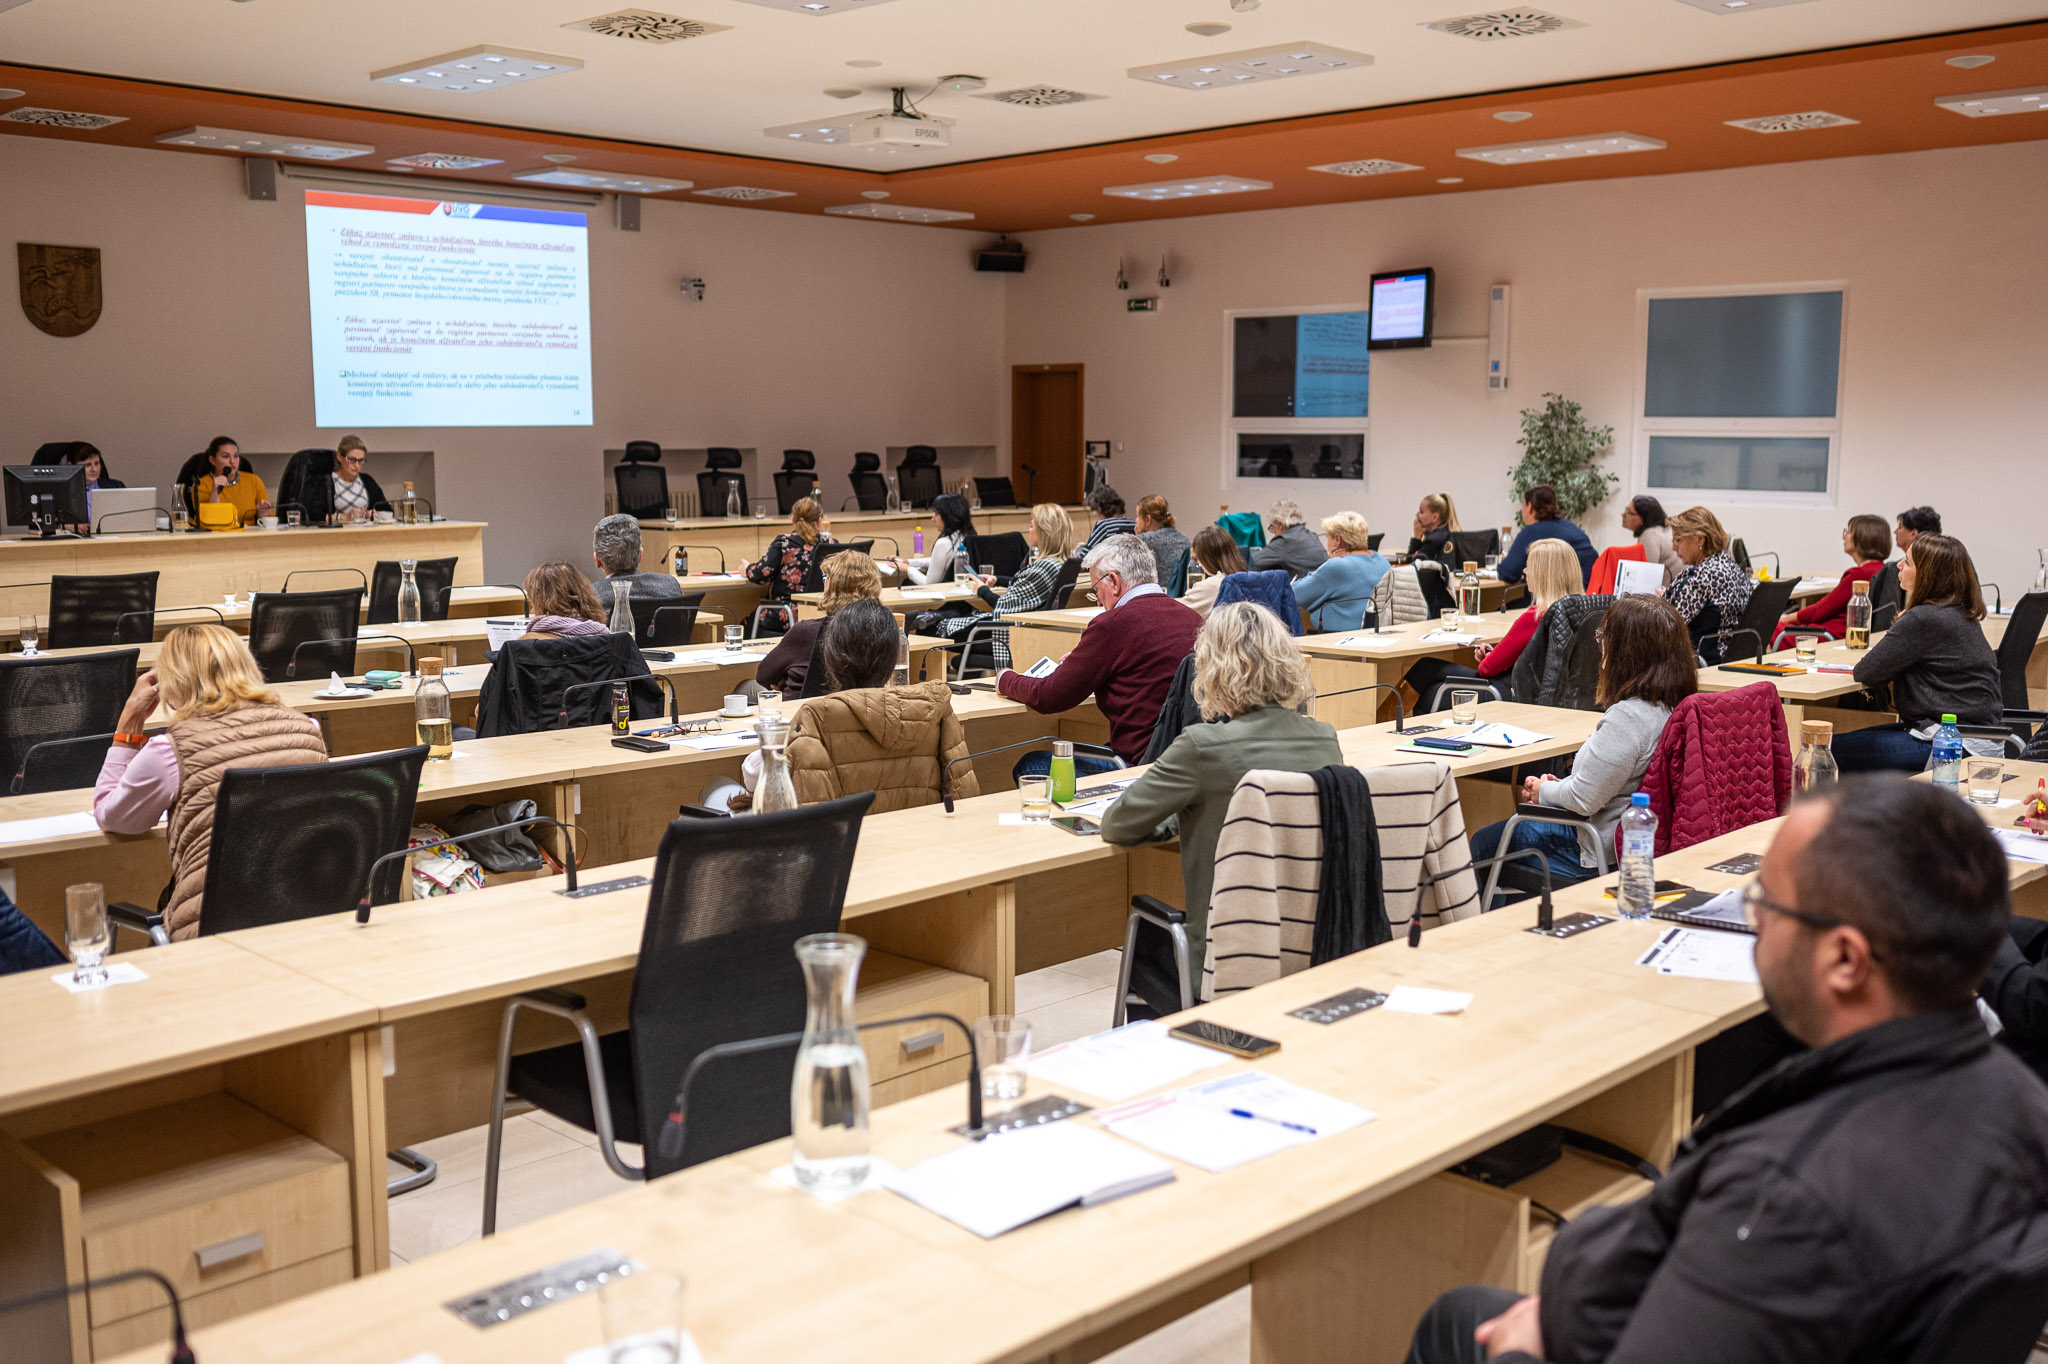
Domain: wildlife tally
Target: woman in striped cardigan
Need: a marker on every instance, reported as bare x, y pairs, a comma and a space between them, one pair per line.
1051, 534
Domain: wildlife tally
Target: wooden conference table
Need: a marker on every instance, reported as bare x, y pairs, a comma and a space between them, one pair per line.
739, 538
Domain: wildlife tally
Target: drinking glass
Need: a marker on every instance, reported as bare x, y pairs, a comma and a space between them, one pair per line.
668, 513
1805, 647
963, 576
1464, 707
291, 517
85, 931
1002, 1043
987, 571
1037, 795
1492, 562
733, 634
770, 702
31, 634
760, 511
1987, 776
643, 1317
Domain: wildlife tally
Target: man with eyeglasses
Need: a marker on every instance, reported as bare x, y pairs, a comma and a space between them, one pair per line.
1831, 1209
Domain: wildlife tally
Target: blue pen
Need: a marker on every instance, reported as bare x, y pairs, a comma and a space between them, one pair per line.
1277, 1122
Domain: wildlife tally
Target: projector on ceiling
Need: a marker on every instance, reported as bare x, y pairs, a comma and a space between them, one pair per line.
900, 130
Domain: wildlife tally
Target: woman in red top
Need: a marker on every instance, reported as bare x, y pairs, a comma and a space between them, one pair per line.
1553, 573
1866, 540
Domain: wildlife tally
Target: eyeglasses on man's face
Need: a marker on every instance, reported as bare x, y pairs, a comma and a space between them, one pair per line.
1755, 903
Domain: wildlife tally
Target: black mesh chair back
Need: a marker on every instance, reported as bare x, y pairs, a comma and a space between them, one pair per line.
718, 964
643, 452
1373, 541
814, 576
664, 622
526, 689
296, 485
85, 613
995, 492
52, 452
1063, 586
2022, 631
1739, 552
917, 477
1007, 552
793, 486
1752, 636
642, 490
1885, 594
1473, 546
1435, 582
1994, 1317
297, 842
1580, 688
434, 576
870, 489
62, 764
815, 681
42, 699
279, 622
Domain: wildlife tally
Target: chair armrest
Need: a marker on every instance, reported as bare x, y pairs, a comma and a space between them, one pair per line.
1157, 911
561, 1003
121, 914
1551, 814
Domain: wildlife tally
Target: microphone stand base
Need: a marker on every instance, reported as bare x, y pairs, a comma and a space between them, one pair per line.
1571, 925
1037, 1113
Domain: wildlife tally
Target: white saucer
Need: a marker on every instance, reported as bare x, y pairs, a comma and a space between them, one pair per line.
736, 714
345, 694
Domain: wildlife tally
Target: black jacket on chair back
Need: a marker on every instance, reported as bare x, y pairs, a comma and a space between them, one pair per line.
524, 691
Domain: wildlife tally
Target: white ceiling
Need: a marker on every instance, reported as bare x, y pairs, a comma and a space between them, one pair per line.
771, 67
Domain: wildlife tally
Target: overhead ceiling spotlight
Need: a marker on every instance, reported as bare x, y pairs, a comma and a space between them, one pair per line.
842, 92
1739, 6
12, 94
559, 158
1450, 179
874, 194
1161, 158
1244, 6
1971, 63
475, 70
1208, 30
964, 84
1082, 217
1514, 116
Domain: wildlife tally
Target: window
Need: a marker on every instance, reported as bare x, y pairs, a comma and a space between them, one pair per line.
1299, 384
1741, 393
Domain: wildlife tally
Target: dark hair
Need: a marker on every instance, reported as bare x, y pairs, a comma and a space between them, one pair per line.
1919, 874
81, 451
1921, 520
1944, 576
1216, 552
213, 446
1542, 499
1649, 509
1646, 653
1106, 501
859, 645
955, 516
1870, 537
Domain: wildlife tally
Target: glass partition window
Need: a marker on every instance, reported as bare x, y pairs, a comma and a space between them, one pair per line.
1300, 390
1741, 393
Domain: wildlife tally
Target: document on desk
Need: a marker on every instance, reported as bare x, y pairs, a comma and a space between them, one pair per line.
1225, 1123
1703, 954
713, 743
1002, 1182
2020, 845
1498, 735
1447, 637
1123, 1062
50, 826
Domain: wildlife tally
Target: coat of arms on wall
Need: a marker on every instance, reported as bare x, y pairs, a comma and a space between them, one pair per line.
60, 287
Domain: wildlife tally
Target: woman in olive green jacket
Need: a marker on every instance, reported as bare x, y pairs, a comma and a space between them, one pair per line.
1253, 677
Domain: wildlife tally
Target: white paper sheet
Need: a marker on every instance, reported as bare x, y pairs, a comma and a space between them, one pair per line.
1447, 637
1498, 735
1703, 954
2022, 846
713, 743
1196, 1125
1123, 1062
118, 973
1637, 576
1415, 999
1006, 1180
50, 826
1044, 667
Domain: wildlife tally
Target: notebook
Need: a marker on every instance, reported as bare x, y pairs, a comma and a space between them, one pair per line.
1705, 909
1002, 1182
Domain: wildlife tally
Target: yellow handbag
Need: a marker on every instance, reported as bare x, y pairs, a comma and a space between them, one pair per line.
219, 516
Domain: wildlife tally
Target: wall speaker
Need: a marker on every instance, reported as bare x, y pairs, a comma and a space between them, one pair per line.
262, 178
1497, 339
626, 212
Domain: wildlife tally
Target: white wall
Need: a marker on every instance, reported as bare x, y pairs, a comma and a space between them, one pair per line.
816, 333
1945, 357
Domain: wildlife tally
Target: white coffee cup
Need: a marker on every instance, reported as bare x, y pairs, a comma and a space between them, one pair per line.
385, 518
267, 522
736, 704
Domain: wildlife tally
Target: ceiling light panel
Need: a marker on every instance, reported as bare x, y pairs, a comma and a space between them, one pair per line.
442, 161
897, 213
1038, 96
61, 118
819, 8
1371, 166
1493, 26
837, 129
746, 193
1561, 148
262, 144
2031, 100
1226, 69
646, 26
1792, 123
1739, 6
615, 181
1199, 188
475, 70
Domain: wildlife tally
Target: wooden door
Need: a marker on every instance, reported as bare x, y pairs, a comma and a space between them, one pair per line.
1045, 433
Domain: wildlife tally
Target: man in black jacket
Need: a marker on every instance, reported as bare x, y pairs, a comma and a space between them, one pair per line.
1828, 1211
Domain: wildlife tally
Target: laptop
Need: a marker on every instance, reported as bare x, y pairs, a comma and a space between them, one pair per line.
130, 508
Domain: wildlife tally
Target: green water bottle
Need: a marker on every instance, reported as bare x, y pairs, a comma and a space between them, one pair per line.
1062, 771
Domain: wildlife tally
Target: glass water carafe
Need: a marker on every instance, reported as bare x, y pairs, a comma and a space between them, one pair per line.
1856, 618
1470, 597
433, 712
732, 498
2041, 577
828, 1094
775, 791
409, 592
895, 502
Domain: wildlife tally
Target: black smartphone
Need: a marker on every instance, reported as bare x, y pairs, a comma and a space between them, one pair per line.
1076, 824
638, 744
1445, 745
1204, 1033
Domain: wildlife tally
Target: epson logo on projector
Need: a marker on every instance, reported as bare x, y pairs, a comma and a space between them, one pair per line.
891, 130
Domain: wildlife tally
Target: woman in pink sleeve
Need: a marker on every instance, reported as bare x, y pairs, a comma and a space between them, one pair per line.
1553, 573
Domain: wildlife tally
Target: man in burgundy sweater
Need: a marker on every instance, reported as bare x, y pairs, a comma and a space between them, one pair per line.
1127, 656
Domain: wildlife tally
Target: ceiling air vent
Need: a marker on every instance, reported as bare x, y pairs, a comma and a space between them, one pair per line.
1376, 166
61, 118
1491, 27
646, 26
1791, 123
744, 192
1038, 96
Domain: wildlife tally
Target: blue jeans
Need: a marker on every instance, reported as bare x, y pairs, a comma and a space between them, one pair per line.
1558, 844
1039, 764
1882, 748
23, 946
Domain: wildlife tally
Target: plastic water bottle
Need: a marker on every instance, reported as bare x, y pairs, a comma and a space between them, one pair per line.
1948, 756
1638, 858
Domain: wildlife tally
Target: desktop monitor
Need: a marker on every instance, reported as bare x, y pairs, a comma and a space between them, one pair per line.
45, 497
1403, 309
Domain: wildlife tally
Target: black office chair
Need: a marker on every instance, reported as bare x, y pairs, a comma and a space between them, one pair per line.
795, 480
51, 452
189, 474
1374, 540
2022, 630
1759, 623
1472, 546
1739, 552
814, 579
279, 622
715, 484
1435, 582
47, 699
717, 964
917, 477
665, 622
815, 681
525, 690
301, 476
1063, 586
85, 612
62, 764
434, 577
995, 492
1997, 1313
1007, 553
870, 488
1886, 597
640, 484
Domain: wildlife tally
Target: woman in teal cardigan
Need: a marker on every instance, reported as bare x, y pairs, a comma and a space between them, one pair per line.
1252, 677
1338, 594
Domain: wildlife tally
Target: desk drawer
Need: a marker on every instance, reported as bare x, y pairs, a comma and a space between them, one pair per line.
891, 986
265, 1290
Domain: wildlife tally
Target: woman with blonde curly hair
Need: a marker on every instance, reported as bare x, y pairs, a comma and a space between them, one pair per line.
222, 716
1252, 683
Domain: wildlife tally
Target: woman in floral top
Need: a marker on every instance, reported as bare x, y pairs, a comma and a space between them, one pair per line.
786, 562
1051, 534
1711, 591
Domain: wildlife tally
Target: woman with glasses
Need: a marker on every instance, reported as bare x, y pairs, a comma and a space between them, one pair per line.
1711, 591
1646, 668
347, 491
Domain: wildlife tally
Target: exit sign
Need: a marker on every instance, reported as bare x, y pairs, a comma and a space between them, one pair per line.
1141, 305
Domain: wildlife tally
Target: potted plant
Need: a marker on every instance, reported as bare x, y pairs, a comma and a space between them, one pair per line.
1560, 449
